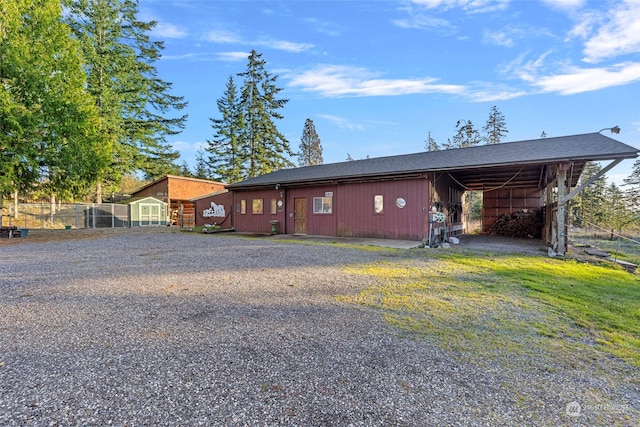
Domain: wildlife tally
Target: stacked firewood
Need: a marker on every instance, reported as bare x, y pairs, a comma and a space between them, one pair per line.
525, 223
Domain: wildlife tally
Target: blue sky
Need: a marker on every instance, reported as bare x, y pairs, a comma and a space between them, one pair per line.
377, 76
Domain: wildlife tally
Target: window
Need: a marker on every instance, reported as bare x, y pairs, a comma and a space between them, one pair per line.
322, 205
243, 207
256, 206
274, 206
378, 204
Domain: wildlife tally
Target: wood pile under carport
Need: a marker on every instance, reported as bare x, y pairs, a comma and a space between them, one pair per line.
524, 223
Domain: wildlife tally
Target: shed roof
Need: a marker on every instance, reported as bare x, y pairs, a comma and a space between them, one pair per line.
506, 158
133, 200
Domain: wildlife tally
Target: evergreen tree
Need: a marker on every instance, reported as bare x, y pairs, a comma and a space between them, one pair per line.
617, 212
134, 102
587, 206
349, 158
227, 154
267, 149
310, 147
184, 170
634, 178
632, 192
431, 144
466, 135
496, 127
201, 170
50, 132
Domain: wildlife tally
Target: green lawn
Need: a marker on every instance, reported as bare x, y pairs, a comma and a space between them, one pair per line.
499, 305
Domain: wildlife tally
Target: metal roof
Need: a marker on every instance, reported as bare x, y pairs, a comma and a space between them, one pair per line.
477, 167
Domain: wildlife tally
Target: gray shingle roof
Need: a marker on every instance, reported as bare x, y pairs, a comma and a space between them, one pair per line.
585, 147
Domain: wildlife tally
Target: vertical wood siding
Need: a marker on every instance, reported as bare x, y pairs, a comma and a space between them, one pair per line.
506, 201
258, 223
357, 217
223, 199
317, 224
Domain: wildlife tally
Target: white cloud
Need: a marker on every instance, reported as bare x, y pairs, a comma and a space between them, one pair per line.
422, 21
577, 80
619, 35
232, 56
491, 93
341, 122
472, 6
498, 38
565, 4
524, 70
510, 35
222, 36
285, 45
166, 30
229, 37
339, 81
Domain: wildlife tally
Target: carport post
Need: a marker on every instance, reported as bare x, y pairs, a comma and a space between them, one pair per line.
562, 204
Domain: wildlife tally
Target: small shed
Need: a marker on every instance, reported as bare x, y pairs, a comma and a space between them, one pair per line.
177, 192
147, 211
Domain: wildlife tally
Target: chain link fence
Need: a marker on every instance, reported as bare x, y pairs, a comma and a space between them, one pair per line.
59, 216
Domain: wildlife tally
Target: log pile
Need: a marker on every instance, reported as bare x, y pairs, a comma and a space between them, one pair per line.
525, 223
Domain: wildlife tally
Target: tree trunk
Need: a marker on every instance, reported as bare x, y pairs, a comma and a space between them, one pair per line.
15, 204
99, 192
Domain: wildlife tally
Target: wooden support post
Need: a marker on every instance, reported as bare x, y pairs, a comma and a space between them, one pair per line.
561, 215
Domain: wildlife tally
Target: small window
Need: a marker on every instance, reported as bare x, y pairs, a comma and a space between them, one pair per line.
322, 205
378, 204
274, 206
257, 206
243, 207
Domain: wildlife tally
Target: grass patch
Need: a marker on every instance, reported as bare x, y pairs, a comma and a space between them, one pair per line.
497, 305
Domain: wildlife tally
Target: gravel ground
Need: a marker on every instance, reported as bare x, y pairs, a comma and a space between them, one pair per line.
157, 327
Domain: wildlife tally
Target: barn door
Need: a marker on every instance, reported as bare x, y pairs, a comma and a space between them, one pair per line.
300, 215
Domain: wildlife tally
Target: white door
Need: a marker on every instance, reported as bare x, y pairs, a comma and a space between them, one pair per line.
145, 214
155, 215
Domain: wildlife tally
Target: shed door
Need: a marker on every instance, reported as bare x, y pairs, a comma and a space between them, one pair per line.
149, 214
155, 215
300, 215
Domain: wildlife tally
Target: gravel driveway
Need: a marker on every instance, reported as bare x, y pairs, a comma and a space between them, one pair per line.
162, 328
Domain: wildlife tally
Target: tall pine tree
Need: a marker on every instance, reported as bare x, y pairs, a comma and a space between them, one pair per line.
134, 103
266, 148
227, 154
496, 127
310, 146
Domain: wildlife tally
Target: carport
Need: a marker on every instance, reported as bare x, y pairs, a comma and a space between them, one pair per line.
550, 168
